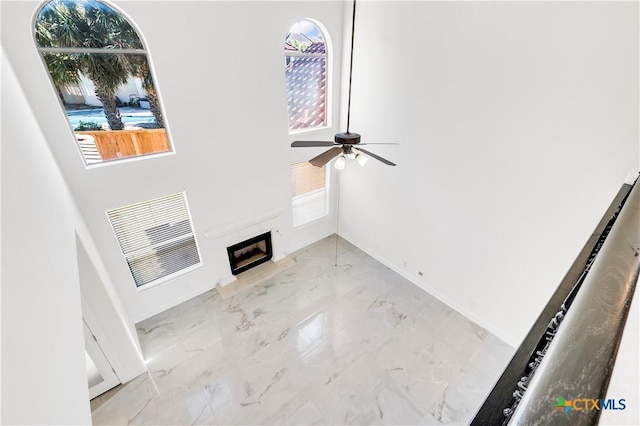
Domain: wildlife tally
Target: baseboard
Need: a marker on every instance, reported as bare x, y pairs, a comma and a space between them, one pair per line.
432, 291
173, 303
308, 242
510, 340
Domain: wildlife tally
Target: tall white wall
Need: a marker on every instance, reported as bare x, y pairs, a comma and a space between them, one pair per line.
220, 72
43, 363
112, 329
518, 123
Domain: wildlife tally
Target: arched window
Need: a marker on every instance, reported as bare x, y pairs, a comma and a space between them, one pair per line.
306, 74
100, 69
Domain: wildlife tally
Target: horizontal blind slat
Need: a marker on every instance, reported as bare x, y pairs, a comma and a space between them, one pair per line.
155, 265
156, 237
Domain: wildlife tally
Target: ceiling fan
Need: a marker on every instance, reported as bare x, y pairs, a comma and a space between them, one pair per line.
346, 144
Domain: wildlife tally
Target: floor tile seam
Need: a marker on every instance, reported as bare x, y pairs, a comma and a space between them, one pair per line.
191, 331
187, 362
207, 405
406, 396
330, 334
186, 329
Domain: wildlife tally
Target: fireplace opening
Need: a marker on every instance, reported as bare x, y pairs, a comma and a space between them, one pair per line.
250, 253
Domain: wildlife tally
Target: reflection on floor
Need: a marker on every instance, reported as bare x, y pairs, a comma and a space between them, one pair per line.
316, 344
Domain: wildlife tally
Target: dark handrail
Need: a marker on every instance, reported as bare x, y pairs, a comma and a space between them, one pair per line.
580, 358
496, 409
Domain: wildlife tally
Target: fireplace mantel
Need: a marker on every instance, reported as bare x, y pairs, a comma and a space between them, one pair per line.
237, 226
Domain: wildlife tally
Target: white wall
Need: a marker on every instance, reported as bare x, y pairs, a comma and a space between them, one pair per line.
518, 123
229, 128
103, 314
43, 363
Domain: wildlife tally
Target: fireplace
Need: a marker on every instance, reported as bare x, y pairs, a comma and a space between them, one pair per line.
250, 253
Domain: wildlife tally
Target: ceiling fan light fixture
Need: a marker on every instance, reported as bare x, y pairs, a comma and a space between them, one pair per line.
340, 163
362, 159
351, 155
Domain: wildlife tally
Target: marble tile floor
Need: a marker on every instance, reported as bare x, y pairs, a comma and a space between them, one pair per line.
255, 275
316, 344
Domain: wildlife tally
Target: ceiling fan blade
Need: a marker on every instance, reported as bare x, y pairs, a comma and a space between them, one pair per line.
377, 157
381, 143
326, 156
306, 144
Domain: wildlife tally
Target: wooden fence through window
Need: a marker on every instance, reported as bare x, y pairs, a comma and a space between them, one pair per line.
112, 144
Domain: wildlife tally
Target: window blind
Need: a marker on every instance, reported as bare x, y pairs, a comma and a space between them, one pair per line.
306, 178
309, 194
156, 237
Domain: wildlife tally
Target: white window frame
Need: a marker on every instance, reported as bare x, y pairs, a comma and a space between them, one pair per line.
300, 200
328, 57
152, 246
88, 164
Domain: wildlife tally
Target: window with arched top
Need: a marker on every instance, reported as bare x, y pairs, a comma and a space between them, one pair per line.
100, 69
305, 52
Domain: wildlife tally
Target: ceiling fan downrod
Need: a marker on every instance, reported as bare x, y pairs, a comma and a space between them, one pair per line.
353, 34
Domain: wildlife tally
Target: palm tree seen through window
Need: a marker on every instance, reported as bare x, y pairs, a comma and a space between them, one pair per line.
100, 69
